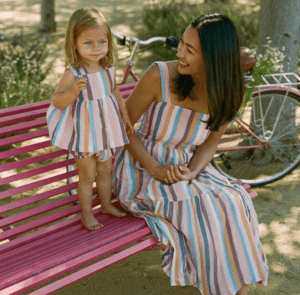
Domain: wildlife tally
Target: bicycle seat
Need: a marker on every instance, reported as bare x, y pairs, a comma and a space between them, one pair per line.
248, 60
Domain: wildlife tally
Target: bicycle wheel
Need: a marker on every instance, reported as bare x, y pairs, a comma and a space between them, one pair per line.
274, 116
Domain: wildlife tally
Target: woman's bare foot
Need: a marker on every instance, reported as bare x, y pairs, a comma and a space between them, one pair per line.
111, 209
90, 222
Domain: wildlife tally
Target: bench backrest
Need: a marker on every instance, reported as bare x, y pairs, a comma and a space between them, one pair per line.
33, 175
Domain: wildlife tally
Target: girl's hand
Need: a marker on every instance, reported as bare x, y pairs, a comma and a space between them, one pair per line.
178, 173
78, 85
128, 126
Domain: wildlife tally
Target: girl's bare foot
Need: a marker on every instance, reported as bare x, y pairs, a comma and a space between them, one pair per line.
90, 222
111, 209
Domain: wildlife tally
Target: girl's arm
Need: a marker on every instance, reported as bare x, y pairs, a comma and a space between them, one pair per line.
203, 155
123, 110
145, 92
68, 89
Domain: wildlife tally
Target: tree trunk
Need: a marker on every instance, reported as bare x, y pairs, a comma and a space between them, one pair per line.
279, 20
47, 23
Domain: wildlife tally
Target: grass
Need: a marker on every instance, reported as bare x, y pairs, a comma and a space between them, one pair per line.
22, 69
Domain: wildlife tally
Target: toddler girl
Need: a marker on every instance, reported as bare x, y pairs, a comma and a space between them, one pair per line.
88, 116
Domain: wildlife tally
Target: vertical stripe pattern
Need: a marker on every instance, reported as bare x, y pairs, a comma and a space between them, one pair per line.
209, 225
92, 122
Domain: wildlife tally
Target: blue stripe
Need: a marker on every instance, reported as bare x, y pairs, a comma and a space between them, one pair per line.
241, 236
104, 84
162, 79
191, 226
59, 125
195, 132
78, 125
222, 238
173, 132
158, 120
51, 114
205, 241
92, 125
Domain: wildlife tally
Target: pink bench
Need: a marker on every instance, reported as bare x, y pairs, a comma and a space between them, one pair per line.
41, 236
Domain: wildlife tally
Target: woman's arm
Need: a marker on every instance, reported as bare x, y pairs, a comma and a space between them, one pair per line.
203, 155
145, 92
68, 89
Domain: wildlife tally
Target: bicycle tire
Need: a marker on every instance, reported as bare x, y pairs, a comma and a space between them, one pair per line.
276, 161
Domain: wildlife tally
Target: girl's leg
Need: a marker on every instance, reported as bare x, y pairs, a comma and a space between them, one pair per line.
243, 291
104, 186
87, 174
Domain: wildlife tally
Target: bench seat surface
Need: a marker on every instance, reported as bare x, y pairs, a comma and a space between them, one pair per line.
41, 235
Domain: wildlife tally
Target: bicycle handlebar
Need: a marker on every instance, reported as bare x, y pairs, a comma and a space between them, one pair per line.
171, 42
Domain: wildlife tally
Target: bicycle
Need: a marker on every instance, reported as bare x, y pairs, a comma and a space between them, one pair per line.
243, 134
260, 146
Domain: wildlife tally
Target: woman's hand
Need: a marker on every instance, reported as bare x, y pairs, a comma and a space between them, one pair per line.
160, 173
178, 173
170, 174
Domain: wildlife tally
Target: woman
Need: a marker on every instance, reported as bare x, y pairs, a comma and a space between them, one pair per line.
208, 223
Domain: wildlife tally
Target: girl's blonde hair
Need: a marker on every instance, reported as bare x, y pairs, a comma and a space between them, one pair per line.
80, 20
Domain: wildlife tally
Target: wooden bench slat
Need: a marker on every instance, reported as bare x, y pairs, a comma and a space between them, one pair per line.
58, 251
16, 118
25, 149
36, 198
43, 221
37, 211
36, 184
36, 171
25, 108
33, 160
38, 223
75, 263
127, 86
23, 126
33, 236
95, 267
75, 226
126, 93
23, 137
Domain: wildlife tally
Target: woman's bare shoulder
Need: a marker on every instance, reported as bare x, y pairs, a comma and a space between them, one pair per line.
173, 68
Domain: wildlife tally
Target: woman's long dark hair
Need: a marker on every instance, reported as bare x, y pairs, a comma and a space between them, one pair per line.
224, 77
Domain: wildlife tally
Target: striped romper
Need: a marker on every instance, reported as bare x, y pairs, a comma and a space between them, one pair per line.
92, 123
209, 224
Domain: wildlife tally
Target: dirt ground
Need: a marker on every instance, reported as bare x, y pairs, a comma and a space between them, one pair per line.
278, 204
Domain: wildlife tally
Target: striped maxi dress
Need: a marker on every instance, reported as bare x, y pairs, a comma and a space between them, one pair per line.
92, 122
209, 225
